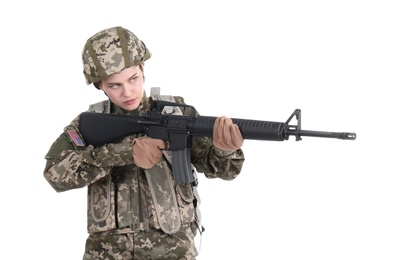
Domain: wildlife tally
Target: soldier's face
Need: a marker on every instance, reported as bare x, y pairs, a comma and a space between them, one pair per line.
125, 89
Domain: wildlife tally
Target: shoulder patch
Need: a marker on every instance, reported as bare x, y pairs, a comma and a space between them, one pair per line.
75, 137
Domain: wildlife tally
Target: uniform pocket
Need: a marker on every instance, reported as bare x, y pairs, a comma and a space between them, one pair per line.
185, 198
101, 208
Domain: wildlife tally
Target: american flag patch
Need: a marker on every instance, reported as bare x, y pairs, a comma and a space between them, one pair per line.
75, 137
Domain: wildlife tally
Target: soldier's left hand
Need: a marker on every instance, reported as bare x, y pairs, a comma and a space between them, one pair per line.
226, 134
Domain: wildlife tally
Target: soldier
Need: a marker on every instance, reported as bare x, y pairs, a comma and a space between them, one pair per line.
134, 209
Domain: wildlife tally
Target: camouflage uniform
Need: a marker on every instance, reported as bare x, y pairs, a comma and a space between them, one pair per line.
135, 213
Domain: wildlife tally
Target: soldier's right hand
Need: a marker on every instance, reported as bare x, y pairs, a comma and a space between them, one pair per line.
147, 151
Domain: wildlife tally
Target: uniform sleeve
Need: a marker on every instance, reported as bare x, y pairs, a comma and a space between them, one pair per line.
210, 160
71, 164
215, 163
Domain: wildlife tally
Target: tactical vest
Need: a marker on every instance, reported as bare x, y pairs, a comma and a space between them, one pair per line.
131, 199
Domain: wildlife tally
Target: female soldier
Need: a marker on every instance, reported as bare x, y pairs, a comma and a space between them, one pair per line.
135, 209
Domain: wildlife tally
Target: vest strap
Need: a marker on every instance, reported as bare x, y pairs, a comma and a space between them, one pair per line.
101, 107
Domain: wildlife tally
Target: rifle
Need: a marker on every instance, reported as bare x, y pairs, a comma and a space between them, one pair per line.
98, 129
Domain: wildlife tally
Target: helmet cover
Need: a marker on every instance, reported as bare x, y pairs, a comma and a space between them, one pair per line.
110, 51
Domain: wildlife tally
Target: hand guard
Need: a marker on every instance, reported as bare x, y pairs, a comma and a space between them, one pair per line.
226, 134
147, 151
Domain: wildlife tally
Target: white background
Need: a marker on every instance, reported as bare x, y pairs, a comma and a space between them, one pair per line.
316, 199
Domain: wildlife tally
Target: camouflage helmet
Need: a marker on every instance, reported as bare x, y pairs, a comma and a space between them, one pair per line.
110, 51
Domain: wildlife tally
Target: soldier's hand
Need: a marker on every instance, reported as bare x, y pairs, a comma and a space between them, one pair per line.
147, 151
226, 134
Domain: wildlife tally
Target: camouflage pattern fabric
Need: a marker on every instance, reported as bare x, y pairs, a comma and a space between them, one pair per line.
121, 206
165, 199
110, 51
153, 245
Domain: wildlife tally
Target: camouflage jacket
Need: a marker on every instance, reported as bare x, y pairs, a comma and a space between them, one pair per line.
123, 197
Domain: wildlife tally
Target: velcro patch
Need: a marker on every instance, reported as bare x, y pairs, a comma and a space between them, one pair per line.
75, 137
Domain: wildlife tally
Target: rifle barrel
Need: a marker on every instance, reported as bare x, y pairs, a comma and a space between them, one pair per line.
337, 135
